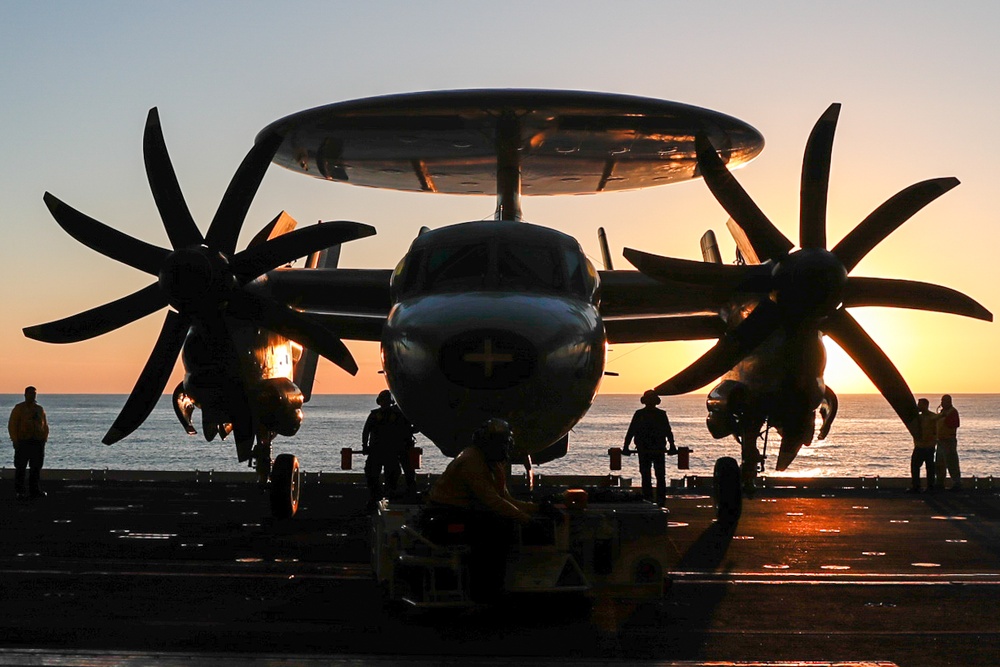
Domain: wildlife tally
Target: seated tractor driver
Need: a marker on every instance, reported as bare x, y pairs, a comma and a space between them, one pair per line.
477, 479
472, 493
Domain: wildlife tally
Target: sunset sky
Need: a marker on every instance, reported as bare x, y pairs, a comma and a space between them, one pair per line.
918, 82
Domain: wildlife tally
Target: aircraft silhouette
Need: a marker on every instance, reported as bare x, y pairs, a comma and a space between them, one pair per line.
492, 318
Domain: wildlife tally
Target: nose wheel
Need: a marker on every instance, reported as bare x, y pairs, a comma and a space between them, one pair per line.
285, 486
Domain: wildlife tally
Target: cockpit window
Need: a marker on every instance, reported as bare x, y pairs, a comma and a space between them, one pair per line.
457, 267
530, 267
576, 271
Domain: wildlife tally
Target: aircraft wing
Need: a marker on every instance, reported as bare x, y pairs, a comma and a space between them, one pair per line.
352, 302
670, 327
633, 294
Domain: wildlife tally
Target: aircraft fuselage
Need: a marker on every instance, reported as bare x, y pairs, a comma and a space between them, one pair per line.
494, 319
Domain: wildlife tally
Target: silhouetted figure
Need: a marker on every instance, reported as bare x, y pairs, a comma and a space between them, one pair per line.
947, 444
650, 428
924, 429
29, 431
386, 434
472, 492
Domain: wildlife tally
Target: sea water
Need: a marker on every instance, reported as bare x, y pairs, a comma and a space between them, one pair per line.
867, 438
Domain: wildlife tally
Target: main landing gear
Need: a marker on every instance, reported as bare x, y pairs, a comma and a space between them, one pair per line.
727, 490
284, 486
279, 478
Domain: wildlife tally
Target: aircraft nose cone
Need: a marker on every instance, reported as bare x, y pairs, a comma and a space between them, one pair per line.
488, 359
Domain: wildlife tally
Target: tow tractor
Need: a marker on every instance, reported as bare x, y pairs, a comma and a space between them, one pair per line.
603, 541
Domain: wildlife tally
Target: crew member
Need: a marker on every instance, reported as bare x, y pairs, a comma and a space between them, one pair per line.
477, 478
29, 430
947, 444
924, 434
650, 428
473, 492
386, 434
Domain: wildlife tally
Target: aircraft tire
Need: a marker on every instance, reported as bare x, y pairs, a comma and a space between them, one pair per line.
726, 491
284, 487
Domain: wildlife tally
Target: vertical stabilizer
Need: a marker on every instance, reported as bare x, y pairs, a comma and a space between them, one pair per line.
743, 245
602, 237
304, 374
710, 248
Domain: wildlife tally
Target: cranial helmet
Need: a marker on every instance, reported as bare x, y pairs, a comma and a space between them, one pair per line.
384, 398
650, 398
494, 438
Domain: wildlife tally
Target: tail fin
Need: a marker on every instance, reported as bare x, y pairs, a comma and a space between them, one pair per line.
743, 246
304, 374
710, 248
282, 224
605, 250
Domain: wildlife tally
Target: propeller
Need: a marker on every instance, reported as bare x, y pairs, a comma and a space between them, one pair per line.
808, 288
202, 278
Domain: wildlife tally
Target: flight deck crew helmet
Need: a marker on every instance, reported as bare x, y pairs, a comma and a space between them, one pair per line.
495, 440
650, 398
384, 398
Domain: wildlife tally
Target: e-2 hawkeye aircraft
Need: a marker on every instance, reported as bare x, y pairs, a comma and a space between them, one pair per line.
492, 318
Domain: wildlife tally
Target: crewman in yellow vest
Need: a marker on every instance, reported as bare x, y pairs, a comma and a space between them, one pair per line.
29, 431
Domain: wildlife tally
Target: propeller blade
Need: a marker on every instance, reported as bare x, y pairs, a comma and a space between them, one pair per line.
912, 294
728, 352
225, 228
886, 218
816, 180
767, 241
260, 259
105, 240
152, 380
849, 335
102, 319
293, 325
669, 269
180, 226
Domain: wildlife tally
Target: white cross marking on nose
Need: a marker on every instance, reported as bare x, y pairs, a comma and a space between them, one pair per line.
487, 358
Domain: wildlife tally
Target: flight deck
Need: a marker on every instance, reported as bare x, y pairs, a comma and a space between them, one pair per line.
189, 564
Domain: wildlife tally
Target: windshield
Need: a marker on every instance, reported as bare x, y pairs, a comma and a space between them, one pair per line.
457, 267
530, 267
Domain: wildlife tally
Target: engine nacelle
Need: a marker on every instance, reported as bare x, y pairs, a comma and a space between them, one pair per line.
726, 404
279, 404
245, 367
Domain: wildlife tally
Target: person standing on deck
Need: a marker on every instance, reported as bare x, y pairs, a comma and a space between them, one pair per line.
947, 444
387, 433
650, 428
29, 431
924, 430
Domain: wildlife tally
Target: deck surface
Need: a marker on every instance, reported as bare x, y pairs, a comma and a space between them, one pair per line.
165, 568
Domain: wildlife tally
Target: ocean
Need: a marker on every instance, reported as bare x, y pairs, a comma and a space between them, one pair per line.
867, 438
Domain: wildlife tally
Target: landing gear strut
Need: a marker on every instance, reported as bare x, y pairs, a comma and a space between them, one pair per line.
285, 486
727, 491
